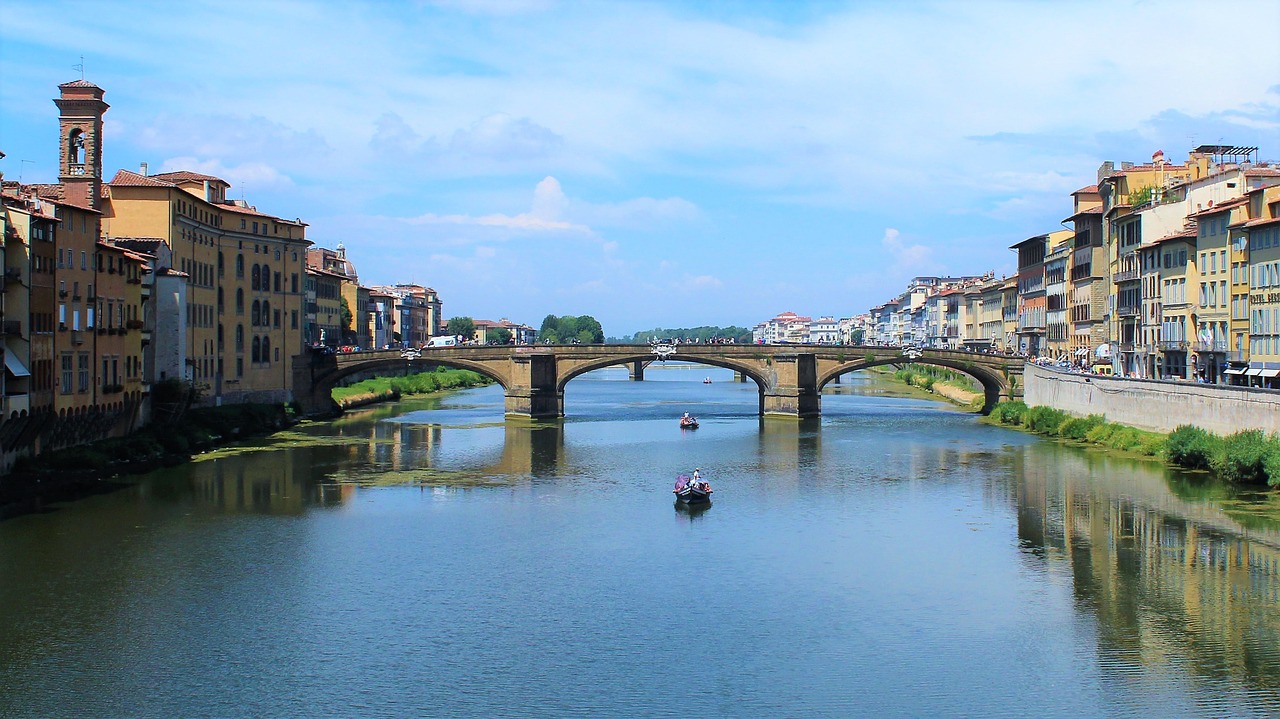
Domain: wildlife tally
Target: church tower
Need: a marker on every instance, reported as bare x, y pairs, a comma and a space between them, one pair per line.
80, 140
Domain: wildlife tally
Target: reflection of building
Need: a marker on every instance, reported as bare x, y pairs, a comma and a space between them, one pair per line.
1169, 580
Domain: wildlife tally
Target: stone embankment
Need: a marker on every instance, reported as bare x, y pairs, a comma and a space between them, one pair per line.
1154, 405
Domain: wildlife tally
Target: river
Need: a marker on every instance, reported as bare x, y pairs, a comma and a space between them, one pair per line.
895, 558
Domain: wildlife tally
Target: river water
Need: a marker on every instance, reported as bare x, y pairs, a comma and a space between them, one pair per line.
895, 558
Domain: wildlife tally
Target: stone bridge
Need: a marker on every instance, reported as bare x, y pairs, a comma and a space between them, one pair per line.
533, 377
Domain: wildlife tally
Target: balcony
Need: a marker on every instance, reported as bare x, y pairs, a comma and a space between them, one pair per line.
1219, 346
13, 273
133, 324
77, 337
1125, 276
12, 328
63, 293
1173, 345
1129, 310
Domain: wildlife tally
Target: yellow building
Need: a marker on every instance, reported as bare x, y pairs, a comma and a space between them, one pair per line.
1262, 236
1213, 284
1088, 275
1177, 322
244, 278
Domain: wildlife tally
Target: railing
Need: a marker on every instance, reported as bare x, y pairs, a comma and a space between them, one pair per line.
1173, 345
77, 337
1129, 310
13, 273
1125, 276
1219, 346
133, 324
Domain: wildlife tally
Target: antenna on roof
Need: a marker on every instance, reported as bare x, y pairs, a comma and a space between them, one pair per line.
80, 67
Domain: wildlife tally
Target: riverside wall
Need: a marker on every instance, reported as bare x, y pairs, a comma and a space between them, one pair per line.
1155, 405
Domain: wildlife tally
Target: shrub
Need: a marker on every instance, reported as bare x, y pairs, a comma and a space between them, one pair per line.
1078, 428
1241, 456
1272, 462
1191, 447
1009, 412
1044, 420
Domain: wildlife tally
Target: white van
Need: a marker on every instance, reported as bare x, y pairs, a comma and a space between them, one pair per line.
447, 341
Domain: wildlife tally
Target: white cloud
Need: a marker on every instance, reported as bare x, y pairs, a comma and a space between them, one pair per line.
249, 176
911, 260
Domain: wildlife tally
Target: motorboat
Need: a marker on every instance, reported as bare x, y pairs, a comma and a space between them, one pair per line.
688, 422
692, 491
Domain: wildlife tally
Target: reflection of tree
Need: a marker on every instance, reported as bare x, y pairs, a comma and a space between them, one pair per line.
1170, 581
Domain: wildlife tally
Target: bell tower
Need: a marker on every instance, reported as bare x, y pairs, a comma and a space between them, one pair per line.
80, 142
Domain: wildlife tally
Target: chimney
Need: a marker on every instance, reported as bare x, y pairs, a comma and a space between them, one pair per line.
143, 170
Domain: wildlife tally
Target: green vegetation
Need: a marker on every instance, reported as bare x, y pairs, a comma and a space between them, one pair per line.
857, 336
1245, 457
462, 326
929, 378
739, 335
1141, 196
564, 330
380, 389
345, 318
500, 335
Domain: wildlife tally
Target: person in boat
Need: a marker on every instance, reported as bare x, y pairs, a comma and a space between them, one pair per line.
696, 481
686, 416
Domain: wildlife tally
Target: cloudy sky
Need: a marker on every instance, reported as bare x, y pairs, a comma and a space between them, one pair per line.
656, 163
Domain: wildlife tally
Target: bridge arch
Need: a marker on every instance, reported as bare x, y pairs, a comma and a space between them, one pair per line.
995, 386
588, 366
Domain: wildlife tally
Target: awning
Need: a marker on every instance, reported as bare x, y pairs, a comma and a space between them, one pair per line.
1270, 373
15, 366
1082, 351
1256, 372
1234, 371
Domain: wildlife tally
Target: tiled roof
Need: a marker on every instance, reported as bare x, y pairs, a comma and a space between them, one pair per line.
184, 176
1086, 189
80, 83
1262, 221
1084, 213
1262, 172
1220, 207
125, 178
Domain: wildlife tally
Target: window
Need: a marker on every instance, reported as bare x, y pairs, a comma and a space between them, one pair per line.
253, 283
240, 300
82, 365
240, 265
66, 373
256, 355
266, 349
253, 314
240, 338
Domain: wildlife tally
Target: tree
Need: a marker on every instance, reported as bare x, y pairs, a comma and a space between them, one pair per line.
462, 326
501, 335
857, 336
346, 318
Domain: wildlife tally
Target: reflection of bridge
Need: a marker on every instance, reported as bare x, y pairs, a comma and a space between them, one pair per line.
790, 377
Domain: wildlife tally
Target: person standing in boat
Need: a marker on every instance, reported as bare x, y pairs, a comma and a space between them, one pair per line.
697, 477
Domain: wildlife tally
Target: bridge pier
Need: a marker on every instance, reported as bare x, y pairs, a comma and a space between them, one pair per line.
532, 392
635, 370
795, 391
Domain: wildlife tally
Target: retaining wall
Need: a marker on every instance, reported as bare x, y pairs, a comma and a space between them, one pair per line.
1155, 405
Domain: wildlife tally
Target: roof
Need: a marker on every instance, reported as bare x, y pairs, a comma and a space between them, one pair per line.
80, 83
1261, 221
125, 178
1086, 189
1221, 207
1083, 213
186, 176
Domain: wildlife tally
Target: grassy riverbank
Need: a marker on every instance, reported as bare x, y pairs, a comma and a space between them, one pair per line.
954, 387
389, 389
1247, 457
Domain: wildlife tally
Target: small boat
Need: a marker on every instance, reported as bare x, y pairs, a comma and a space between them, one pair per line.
688, 423
690, 491
706, 380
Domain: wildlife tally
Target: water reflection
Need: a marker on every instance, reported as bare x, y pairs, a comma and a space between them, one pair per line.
1170, 581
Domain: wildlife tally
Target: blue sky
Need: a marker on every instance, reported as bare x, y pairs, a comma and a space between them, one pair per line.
652, 164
